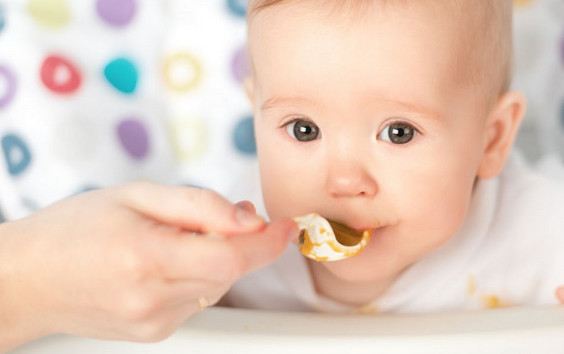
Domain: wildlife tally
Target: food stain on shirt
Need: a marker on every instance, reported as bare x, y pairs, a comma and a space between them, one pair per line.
494, 302
368, 310
471, 288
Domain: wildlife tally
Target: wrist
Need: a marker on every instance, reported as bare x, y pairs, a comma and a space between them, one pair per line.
21, 316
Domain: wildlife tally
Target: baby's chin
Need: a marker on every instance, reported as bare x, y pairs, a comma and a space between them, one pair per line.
360, 269
373, 264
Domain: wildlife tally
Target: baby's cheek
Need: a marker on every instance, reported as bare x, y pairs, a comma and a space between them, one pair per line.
441, 222
444, 200
282, 196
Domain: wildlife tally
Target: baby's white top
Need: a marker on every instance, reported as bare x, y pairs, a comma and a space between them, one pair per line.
510, 251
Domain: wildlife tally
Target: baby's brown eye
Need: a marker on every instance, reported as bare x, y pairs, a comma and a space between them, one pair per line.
398, 133
303, 130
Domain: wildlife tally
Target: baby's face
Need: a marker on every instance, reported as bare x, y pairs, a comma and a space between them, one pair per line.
362, 120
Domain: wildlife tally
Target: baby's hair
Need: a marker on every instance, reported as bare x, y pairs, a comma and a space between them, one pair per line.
485, 47
256, 6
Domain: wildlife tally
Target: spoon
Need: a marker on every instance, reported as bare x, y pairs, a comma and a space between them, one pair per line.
323, 239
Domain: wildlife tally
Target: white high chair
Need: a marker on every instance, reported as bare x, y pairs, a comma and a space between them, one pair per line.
224, 330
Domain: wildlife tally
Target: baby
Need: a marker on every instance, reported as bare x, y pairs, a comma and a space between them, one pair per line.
388, 115
395, 116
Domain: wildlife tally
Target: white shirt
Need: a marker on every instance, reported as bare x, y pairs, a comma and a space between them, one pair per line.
509, 251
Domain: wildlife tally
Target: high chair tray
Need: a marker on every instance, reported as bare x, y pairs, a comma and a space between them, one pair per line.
224, 330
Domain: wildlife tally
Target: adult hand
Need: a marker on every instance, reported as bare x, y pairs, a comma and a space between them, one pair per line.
127, 263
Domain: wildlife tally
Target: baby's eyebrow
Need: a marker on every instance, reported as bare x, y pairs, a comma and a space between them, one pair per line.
414, 107
273, 102
277, 101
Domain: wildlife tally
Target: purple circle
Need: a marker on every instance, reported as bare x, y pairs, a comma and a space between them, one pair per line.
10, 85
240, 64
116, 12
134, 138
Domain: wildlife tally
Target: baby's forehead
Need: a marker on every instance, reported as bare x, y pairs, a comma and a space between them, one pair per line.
358, 8
480, 31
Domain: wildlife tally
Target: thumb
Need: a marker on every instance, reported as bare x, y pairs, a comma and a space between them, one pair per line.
191, 208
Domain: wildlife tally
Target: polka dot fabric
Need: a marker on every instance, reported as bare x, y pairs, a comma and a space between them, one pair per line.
2, 18
539, 73
98, 92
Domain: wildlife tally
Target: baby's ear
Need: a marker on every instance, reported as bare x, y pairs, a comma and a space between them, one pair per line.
250, 89
501, 128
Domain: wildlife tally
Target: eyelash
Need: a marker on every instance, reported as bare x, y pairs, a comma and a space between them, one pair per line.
295, 120
398, 121
403, 122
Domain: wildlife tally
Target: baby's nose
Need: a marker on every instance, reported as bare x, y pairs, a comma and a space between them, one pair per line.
350, 180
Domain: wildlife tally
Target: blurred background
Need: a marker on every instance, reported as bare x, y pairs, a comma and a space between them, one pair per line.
98, 92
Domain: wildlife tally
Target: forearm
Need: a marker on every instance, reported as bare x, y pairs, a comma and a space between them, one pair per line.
19, 319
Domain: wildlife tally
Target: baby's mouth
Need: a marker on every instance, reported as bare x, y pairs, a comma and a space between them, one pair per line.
322, 239
345, 235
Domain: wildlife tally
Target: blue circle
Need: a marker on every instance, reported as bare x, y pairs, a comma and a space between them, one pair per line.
2, 17
238, 7
122, 74
16, 153
244, 136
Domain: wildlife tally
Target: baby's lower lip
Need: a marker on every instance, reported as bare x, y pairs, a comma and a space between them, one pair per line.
364, 228
376, 230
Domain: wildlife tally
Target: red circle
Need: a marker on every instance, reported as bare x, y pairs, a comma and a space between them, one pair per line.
51, 67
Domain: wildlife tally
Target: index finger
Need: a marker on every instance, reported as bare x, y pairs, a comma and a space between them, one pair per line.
191, 208
264, 247
224, 260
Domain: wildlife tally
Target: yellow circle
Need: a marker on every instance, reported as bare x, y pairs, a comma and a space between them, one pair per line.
50, 13
182, 61
189, 137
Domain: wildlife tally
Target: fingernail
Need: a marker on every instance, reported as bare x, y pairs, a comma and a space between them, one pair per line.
248, 219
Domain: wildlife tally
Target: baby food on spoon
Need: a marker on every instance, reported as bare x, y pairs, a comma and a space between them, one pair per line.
322, 239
